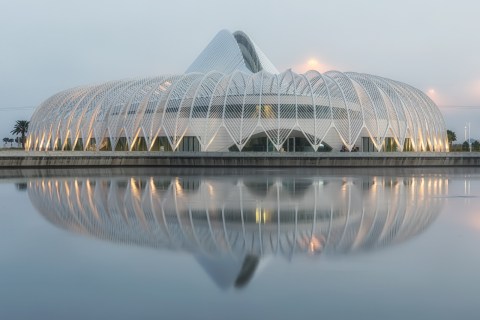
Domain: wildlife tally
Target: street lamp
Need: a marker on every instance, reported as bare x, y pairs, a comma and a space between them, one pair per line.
469, 138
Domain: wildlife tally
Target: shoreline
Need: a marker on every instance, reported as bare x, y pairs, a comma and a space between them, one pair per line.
88, 159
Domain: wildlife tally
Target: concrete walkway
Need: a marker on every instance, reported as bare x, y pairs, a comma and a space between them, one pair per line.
63, 159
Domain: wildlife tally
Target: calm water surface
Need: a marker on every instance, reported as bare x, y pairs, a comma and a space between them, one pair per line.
240, 244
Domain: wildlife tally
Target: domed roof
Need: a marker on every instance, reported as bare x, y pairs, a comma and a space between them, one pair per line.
230, 96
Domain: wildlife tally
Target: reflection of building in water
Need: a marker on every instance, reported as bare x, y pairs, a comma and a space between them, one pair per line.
234, 221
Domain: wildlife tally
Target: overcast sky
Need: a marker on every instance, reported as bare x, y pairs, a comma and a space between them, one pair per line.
48, 46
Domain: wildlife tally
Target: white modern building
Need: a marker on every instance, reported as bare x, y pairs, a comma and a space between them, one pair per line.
232, 98
232, 224
240, 215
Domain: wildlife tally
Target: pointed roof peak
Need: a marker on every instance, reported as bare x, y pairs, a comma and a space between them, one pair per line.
228, 52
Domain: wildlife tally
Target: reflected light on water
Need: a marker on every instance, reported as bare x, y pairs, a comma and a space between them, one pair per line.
231, 223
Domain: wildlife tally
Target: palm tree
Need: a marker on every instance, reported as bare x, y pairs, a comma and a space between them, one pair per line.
451, 137
5, 141
21, 127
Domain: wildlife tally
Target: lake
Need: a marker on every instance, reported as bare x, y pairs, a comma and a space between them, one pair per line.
151, 243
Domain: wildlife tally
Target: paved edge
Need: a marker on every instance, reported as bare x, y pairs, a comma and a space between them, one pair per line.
21, 159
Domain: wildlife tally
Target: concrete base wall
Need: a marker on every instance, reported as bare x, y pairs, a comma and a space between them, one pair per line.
19, 159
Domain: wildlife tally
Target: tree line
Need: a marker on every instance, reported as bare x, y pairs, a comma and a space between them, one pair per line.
20, 129
465, 146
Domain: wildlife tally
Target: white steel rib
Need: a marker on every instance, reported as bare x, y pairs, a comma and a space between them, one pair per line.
231, 93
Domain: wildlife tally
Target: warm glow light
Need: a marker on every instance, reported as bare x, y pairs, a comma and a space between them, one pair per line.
437, 96
153, 189
178, 187
266, 216
261, 216
211, 192
315, 246
268, 112
133, 185
257, 215
312, 64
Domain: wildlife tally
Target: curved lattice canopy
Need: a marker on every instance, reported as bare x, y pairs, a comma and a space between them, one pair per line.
231, 94
243, 215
